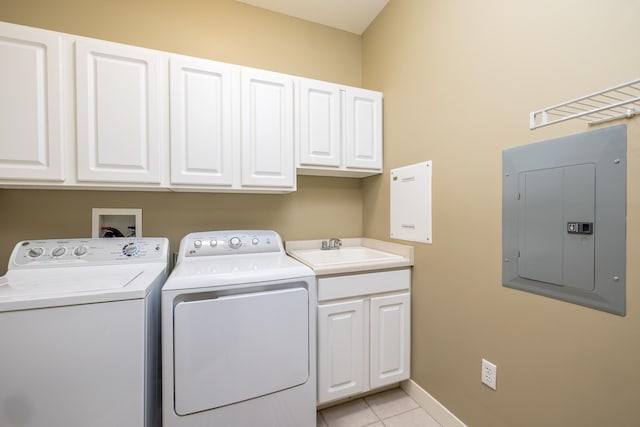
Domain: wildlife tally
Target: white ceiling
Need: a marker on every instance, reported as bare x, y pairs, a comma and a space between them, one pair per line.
348, 15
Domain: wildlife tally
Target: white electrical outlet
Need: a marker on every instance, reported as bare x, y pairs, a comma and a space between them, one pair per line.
489, 373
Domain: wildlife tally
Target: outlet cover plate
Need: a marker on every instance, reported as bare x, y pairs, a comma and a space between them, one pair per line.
489, 373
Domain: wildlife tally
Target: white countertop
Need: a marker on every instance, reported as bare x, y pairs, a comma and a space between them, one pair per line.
382, 255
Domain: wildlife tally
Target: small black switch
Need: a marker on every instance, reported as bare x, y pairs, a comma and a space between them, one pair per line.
580, 227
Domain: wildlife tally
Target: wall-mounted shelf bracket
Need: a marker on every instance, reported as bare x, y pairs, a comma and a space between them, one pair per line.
622, 101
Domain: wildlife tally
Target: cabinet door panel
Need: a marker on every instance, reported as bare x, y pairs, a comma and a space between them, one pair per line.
119, 129
320, 124
30, 104
201, 122
363, 129
390, 339
340, 349
267, 130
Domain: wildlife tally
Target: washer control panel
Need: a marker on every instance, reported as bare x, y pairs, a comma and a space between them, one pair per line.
34, 253
230, 242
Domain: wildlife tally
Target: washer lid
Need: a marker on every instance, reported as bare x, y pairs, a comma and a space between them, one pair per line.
26, 289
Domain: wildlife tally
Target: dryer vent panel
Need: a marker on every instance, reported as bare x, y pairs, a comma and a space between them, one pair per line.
411, 202
563, 218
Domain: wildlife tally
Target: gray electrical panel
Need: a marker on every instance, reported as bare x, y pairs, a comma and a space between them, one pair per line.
564, 218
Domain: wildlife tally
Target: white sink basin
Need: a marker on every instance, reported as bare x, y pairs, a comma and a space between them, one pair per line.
345, 255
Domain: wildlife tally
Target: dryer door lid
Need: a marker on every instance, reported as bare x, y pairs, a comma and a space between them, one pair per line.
239, 347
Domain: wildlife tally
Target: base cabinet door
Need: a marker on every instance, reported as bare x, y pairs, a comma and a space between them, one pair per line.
30, 104
118, 113
390, 339
364, 332
341, 349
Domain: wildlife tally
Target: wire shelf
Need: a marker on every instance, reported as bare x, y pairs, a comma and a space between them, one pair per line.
622, 101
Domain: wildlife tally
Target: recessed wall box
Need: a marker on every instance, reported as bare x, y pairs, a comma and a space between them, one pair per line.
106, 222
410, 201
564, 218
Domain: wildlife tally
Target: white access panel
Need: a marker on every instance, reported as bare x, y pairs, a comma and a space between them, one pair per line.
411, 203
214, 368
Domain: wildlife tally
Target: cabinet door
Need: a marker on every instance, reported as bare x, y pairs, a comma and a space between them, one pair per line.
363, 129
390, 339
201, 122
119, 126
30, 104
267, 130
340, 349
320, 124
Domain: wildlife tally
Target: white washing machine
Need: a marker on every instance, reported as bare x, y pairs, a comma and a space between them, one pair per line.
79, 333
238, 334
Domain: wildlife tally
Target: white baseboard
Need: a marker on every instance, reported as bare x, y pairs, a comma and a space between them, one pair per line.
441, 414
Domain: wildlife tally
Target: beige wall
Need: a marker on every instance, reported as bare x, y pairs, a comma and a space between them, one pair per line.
311, 212
223, 30
459, 80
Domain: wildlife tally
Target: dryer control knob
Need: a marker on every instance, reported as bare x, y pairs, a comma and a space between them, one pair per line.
255, 241
213, 243
235, 242
197, 244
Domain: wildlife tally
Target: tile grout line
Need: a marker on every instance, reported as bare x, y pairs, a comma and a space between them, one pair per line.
379, 419
394, 415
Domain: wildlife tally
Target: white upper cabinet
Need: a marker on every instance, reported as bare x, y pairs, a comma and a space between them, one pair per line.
76, 112
267, 129
119, 126
201, 122
31, 141
340, 130
320, 124
363, 128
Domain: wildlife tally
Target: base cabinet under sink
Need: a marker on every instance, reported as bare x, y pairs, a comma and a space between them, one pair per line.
363, 332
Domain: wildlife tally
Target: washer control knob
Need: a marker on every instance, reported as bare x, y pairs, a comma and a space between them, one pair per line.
80, 250
255, 241
213, 243
35, 252
130, 249
197, 244
59, 251
235, 242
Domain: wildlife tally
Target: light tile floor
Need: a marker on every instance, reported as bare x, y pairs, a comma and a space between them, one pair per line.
391, 408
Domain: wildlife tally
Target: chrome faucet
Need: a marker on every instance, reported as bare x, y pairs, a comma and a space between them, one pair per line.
332, 243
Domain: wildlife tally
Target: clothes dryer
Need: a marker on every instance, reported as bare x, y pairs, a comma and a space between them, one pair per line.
79, 329
239, 341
